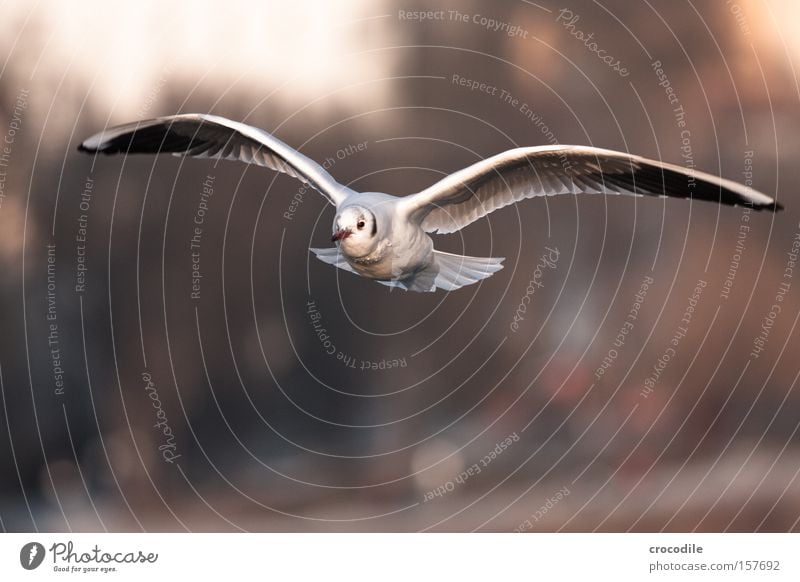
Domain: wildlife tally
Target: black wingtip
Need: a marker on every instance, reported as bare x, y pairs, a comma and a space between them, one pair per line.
771, 206
84, 149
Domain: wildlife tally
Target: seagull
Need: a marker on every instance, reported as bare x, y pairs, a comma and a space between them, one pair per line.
387, 238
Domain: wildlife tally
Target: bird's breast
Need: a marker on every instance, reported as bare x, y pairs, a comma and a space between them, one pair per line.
395, 259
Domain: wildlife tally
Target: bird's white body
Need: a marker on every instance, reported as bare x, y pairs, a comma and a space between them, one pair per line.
400, 249
393, 250
387, 238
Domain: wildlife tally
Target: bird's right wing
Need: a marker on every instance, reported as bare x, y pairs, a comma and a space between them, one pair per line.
469, 194
210, 136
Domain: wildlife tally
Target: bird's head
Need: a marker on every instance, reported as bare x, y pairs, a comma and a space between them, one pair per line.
355, 229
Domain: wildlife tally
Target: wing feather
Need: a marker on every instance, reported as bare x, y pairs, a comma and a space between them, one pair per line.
211, 136
469, 194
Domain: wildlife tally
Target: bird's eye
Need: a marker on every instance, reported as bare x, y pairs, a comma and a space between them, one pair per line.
360, 224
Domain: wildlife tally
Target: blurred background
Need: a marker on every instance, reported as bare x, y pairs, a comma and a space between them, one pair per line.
174, 359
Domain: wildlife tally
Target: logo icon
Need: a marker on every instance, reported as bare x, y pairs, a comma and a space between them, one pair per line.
31, 555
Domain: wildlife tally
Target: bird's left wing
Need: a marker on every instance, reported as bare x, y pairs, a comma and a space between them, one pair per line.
211, 136
469, 194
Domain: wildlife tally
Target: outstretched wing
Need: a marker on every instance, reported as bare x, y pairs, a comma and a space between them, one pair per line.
210, 136
471, 193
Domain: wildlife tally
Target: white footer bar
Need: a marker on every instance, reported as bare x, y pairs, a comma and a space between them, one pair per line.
355, 557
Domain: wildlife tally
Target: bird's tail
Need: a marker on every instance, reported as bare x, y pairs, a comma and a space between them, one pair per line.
455, 271
449, 272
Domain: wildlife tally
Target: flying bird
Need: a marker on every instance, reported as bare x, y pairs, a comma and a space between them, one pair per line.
385, 237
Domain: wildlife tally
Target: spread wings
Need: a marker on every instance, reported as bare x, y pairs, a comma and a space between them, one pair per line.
471, 193
210, 136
